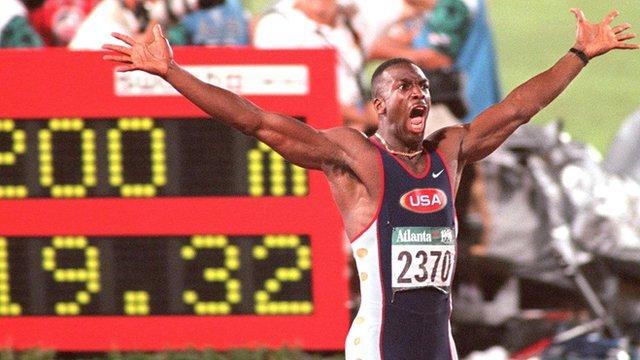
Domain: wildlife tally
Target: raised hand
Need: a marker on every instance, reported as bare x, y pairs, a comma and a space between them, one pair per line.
597, 39
153, 56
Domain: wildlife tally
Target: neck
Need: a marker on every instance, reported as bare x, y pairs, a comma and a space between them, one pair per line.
409, 151
399, 143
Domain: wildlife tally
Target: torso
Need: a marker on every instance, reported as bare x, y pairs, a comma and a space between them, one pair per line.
357, 194
405, 259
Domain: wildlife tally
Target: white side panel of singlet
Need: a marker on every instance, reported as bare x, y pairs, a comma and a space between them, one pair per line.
363, 340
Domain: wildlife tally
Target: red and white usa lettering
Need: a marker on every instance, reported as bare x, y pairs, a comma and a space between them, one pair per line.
424, 201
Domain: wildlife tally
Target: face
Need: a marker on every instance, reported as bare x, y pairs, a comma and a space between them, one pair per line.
403, 102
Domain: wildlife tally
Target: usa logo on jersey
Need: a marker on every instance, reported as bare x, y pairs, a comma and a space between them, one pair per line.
424, 201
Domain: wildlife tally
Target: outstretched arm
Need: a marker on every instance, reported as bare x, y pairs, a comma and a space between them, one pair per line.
492, 127
296, 141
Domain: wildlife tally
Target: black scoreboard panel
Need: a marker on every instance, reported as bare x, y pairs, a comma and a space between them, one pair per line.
202, 275
139, 157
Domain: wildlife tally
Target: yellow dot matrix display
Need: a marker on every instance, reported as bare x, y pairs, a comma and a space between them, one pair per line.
88, 158
277, 173
158, 157
136, 303
90, 274
7, 308
220, 274
9, 158
264, 305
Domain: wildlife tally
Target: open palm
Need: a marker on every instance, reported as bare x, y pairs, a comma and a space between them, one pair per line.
153, 56
597, 39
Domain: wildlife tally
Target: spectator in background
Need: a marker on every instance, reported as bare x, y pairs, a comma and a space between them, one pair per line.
15, 29
58, 20
321, 24
460, 29
387, 29
376, 20
436, 62
452, 44
123, 16
215, 22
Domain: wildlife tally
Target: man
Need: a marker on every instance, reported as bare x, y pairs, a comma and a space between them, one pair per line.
394, 190
461, 29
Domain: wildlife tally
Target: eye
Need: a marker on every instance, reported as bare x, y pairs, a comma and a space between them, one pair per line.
424, 87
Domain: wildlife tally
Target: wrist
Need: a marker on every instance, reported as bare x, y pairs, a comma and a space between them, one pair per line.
578, 52
172, 66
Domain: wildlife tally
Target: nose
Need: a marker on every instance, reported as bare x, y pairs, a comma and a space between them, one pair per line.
417, 92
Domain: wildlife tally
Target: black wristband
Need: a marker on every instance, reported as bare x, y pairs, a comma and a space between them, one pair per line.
581, 55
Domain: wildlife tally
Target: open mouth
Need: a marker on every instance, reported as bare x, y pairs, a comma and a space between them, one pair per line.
418, 111
417, 116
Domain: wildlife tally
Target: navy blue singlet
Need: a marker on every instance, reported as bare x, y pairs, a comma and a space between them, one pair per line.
406, 260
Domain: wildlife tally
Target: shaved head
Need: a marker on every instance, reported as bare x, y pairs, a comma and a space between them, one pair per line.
376, 78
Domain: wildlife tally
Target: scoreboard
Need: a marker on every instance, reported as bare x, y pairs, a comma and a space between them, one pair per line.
129, 220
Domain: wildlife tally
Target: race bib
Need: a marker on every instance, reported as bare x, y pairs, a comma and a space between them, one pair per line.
422, 257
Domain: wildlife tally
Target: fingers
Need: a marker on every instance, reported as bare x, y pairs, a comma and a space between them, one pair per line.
627, 46
117, 48
126, 68
623, 37
620, 28
117, 58
149, 34
157, 32
579, 14
609, 18
126, 38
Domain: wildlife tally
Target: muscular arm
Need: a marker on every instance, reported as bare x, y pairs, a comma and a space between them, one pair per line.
346, 156
296, 141
492, 127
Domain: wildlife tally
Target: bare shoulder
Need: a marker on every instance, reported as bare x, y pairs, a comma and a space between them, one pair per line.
359, 157
344, 132
448, 139
352, 142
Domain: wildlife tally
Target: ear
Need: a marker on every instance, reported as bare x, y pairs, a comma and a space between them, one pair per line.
379, 106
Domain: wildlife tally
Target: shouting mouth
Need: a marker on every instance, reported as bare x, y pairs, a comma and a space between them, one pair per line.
417, 117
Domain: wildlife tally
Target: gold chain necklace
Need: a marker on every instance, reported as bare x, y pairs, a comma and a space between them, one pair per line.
386, 146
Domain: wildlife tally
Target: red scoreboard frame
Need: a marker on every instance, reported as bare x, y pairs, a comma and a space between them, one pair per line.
56, 83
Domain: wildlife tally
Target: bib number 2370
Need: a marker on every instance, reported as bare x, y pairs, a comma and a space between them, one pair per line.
421, 257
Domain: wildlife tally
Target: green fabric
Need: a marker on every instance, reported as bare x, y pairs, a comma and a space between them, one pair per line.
178, 35
19, 34
452, 19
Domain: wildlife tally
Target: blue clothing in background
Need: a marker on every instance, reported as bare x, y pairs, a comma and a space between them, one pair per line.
224, 24
476, 59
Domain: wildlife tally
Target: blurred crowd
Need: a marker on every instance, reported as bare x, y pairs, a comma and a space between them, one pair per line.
448, 39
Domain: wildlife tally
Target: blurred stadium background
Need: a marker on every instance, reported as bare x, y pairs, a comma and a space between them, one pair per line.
529, 36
